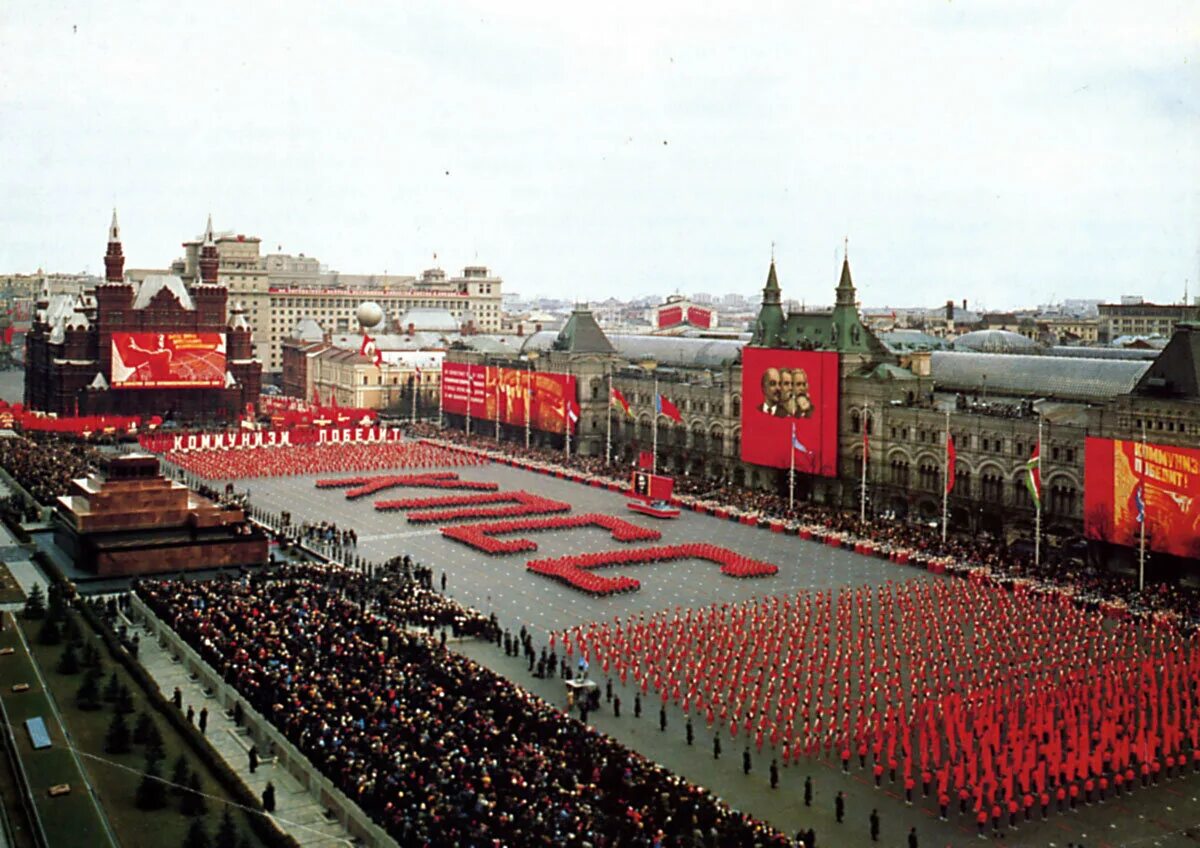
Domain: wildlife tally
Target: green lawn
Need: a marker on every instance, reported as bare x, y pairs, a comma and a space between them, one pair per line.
69, 820
116, 777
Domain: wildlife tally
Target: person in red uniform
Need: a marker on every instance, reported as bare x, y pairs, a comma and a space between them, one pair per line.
944, 806
981, 821
1060, 795
1027, 802
1044, 799
1013, 809
909, 785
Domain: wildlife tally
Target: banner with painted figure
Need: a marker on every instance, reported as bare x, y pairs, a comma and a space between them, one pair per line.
790, 405
168, 361
1128, 482
490, 387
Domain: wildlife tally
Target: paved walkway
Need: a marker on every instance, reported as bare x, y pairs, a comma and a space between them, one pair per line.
18, 559
296, 811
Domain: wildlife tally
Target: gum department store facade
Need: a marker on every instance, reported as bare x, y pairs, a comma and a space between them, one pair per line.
991, 397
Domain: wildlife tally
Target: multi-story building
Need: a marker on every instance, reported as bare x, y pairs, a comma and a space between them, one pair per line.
994, 405
1133, 317
278, 290
72, 349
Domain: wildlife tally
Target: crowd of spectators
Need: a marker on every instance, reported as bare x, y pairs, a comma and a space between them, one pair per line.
45, 465
1092, 583
437, 748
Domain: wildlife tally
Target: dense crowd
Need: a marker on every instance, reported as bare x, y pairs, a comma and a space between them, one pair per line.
295, 460
437, 748
44, 465
1091, 583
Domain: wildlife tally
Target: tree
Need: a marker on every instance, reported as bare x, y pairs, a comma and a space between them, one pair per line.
227, 832
35, 604
180, 773
197, 835
193, 803
112, 688
141, 728
124, 702
116, 741
154, 744
56, 603
88, 695
71, 630
49, 634
151, 792
91, 657
68, 663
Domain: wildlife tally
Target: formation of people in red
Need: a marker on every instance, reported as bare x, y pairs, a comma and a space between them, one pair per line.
296, 460
993, 696
482, 536
575, 571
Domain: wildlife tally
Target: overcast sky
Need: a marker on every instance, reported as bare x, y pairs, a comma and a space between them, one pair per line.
1006, 151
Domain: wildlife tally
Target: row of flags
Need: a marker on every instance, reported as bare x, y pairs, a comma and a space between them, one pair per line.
662, 405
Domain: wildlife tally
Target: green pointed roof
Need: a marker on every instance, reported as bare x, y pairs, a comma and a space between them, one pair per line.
581, 334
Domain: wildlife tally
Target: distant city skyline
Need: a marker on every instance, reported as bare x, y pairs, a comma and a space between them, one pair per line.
1011, 153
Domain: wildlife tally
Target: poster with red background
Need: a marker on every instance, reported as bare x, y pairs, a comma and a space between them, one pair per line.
490, 385
786, 388
168, 360
1171, 479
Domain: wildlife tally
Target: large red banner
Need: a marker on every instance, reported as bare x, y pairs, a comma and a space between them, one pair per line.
786, 392
168, 360
698, 316
510, 389
669, 316
1170, 479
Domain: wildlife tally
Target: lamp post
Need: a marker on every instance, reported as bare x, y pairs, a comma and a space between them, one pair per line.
497, 399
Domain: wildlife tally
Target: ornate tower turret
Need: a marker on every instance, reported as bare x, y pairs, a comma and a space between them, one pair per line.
114, 259
770, 316
209, 261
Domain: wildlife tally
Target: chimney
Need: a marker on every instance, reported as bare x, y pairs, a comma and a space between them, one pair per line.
411, 328
964, 304
537, 328
949, 310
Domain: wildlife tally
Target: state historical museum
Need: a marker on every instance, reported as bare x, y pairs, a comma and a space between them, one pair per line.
155, 348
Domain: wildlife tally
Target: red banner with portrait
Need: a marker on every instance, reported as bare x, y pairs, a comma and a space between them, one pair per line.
786, 392
168, 360
1169, 478
511, 391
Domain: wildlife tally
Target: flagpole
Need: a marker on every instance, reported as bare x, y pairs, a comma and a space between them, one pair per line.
1142, 532
608, 435
441, 386
416, 379
654, 442
528, 400
1037, 523
792, 470
497, 404
567, 427
470, 392
945, 479
862, 494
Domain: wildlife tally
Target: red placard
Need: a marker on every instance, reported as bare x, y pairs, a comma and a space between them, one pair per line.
669, 316
168, 360
786, 389
1113, 470
652, 487
512, 389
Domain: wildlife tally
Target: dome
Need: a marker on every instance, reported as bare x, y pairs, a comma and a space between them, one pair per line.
995, 341
369, 314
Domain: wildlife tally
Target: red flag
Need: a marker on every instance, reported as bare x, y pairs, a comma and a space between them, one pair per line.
645, 459
951, 456
665, 407
572, 413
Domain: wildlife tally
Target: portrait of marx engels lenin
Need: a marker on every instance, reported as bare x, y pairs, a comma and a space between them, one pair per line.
785, 393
